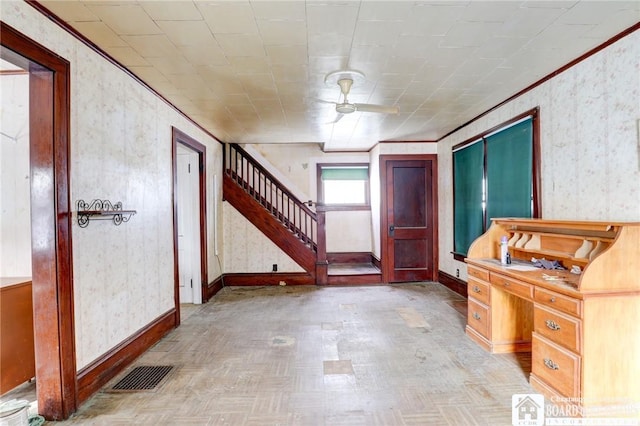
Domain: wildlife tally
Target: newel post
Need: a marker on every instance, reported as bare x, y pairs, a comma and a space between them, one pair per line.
322, 265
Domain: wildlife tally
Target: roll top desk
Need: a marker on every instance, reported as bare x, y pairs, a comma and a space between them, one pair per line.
583, 329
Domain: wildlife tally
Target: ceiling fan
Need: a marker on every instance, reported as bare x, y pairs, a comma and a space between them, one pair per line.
345, 79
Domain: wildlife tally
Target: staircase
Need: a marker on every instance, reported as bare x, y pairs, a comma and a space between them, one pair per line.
269, 206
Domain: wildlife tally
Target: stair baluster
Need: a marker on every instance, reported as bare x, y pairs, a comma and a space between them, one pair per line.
272, 195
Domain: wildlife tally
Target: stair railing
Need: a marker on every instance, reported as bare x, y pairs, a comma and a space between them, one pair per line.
271, 194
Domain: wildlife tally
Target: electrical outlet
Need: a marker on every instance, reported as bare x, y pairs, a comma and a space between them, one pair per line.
457, 273
275, 267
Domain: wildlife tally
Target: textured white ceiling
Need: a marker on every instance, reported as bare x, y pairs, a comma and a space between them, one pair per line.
254, 71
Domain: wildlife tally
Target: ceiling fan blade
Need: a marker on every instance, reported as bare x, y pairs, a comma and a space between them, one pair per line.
323, 101
338, 118
377, 108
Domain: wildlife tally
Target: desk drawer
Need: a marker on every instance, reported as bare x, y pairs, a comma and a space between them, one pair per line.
556, 366
478, 290
478, 317
558, 301
481, 274
559, 328
512, 286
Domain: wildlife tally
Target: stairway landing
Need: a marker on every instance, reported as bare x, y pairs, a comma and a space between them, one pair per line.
353, 269
353, 274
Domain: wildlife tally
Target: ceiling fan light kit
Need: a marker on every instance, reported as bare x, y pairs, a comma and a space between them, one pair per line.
345, 79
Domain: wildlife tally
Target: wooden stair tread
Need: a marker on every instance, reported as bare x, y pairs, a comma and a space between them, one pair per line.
353, 269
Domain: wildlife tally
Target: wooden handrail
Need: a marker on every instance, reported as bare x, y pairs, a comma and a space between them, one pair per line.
265, 172
271, 194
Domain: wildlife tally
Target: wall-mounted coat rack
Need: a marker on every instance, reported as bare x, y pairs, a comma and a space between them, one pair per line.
102, 210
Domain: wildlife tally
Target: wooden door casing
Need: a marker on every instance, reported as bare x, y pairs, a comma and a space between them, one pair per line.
52, 277
409, 217
179, 137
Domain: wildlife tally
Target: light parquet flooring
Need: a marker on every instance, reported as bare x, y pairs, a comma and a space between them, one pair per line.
376, 355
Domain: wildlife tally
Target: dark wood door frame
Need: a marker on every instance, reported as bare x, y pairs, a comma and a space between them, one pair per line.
179, 137
385, 261
50, 222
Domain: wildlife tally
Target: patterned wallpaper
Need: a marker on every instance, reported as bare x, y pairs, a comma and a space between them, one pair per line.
121, 151
248, 250
589, 141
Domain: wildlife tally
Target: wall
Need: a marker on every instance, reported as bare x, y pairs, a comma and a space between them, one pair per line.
589, 141
247, 250
120, 151
290, 164
348, 231
374, 184
15, 214
408, 148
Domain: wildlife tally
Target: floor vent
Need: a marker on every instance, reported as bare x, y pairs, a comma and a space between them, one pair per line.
143, 378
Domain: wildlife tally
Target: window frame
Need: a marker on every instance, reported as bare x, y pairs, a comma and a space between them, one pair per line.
534, 114
343, 207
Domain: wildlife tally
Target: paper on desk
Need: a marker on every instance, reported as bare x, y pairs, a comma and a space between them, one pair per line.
523, 268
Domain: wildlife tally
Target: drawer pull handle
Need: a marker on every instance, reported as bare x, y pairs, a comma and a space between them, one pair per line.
506, 284
552, 300
550, 364
551, 324
476, 289
476, 315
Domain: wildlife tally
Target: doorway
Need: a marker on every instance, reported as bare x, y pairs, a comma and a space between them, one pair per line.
409, 218
188, 203
54, 338
189, 220
17, 354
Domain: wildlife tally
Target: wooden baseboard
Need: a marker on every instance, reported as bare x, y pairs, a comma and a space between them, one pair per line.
478, 338
453, 283
376, 262
269, 278
213, 287
94, 376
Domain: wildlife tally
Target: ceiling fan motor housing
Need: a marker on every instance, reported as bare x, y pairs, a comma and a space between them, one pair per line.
345, 85
345, 108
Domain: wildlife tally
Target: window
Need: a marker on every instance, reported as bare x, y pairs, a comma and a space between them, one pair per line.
343, 186
494, 175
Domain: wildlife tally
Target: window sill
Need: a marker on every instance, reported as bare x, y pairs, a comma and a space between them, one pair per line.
459, 256
342, 207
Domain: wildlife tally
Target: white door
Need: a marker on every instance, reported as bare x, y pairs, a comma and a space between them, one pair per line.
188, 200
